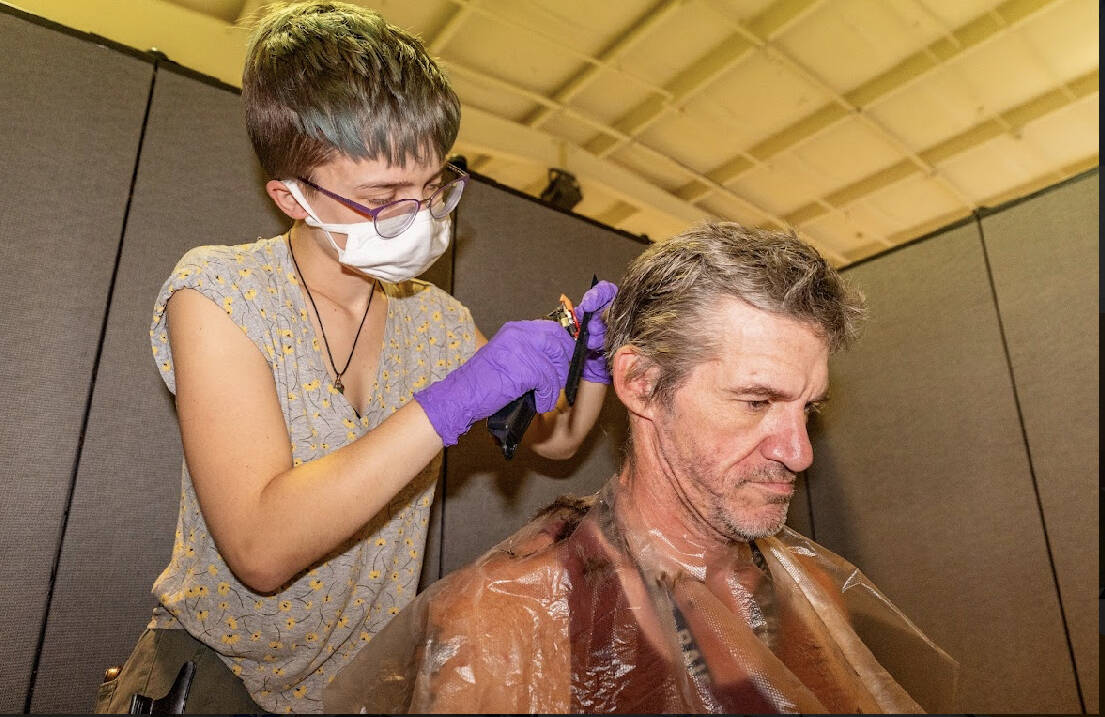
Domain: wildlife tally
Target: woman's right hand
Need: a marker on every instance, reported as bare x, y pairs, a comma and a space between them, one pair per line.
522, 356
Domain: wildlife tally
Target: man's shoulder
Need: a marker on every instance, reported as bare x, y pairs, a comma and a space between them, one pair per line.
527, 565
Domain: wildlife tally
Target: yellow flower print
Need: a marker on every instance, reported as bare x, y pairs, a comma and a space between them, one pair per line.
308, 605
184, 273
408, 541
414, 553
393, 610
300, 692
251, 294
236, 669
245, 272
254, 636
348, 422
372, 576
316, 584
224, 605
343, 621
223, 588
436, 316
290, 622
360, 601
395, 576
312, 386
231, 623
212, 570
201, 591
278, 671
266, 267
297, 462
258, 604
202, 615
365, 637
381, 541
285, 605
228, 302
288, 348
326, 598
276, 645
166, 366
311, 637
231, 638
350, 435
292, 396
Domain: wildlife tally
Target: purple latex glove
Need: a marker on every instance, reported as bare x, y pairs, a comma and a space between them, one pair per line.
596, 300
521, 356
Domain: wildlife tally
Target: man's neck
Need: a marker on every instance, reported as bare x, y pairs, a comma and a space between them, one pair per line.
662, 531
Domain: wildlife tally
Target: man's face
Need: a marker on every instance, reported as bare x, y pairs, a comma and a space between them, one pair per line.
734, 435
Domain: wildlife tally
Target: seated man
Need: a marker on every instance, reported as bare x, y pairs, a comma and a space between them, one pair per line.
677, 587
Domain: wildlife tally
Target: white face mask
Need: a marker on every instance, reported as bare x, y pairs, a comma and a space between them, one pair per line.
392, 260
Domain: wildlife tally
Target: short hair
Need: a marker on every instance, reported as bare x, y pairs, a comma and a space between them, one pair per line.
666, 296
328, 77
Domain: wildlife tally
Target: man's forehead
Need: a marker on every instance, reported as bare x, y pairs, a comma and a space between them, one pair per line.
756, 346
738, 322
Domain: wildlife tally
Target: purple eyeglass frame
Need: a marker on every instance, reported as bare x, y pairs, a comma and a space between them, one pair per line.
462, 179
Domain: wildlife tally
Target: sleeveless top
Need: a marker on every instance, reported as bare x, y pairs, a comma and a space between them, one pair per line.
286, 646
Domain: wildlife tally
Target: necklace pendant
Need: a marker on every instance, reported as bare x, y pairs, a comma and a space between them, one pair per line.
339, 385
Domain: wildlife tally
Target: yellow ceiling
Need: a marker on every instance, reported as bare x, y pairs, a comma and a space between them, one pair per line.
861, 123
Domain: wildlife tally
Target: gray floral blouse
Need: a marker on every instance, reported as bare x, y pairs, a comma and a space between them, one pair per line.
287, 646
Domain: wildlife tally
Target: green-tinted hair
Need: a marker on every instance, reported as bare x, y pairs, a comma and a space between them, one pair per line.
326, 78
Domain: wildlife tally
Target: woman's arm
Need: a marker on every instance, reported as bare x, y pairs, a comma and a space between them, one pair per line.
271, 520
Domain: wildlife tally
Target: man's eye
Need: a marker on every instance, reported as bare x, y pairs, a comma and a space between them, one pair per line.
757, 406
813, 408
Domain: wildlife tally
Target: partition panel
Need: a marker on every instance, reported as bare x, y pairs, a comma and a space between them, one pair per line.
198, 183
1043, 257
72, 117
921, 477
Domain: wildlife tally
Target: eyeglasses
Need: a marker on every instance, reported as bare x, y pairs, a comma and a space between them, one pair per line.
394, 218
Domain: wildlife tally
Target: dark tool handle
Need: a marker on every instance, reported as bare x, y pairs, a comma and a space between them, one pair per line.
509, 423
575, 368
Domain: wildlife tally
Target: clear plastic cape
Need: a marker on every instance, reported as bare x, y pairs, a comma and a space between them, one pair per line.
560, 617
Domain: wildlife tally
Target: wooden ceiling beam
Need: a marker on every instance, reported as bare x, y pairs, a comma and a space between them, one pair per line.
984, 131
693, 79
984, 28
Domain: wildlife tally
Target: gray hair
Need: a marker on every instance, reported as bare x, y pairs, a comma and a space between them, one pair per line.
328, 77
666, 296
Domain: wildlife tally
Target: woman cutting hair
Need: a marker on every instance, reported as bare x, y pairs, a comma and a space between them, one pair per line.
317, 381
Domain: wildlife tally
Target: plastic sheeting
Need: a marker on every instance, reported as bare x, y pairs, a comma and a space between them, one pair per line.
562, 617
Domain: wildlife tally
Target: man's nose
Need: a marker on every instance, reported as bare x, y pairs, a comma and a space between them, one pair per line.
789, 443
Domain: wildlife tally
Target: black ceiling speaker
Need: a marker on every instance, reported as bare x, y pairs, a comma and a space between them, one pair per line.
563, 191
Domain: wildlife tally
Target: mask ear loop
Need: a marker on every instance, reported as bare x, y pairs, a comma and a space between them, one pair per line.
297, 194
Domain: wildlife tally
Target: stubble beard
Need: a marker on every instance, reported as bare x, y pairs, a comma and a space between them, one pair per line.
754, 525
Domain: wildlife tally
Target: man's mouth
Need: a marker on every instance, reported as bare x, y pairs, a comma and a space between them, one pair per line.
783, 486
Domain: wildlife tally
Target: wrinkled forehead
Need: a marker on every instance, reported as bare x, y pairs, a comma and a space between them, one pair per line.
748, 340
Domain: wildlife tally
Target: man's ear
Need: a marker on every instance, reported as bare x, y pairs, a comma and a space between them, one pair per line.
634, 377
284, 199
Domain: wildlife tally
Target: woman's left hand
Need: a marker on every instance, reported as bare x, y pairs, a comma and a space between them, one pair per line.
596, 301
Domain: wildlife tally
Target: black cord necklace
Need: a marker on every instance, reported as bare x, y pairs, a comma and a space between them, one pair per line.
338, 385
